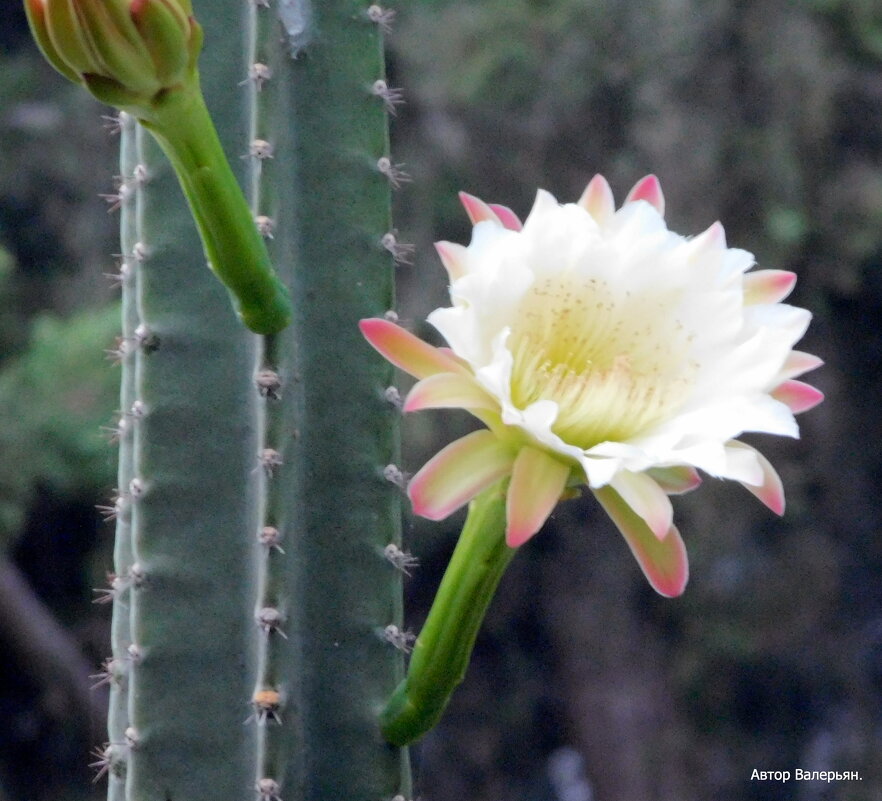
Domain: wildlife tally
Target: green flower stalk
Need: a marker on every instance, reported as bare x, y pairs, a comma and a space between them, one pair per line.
140, 56
442, 651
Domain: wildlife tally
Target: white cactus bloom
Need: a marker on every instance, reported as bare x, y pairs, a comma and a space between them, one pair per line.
601, 348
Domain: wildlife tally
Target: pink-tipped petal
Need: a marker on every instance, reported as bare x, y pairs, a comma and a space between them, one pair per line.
448, 391
676, 480
771, 490
663, 561
598, 200
713, 238
537, 481
798, 396
477, 209
456, 474
648, 189
798, 363
405, 350
768, 286
647, 499
507, 217
453, 258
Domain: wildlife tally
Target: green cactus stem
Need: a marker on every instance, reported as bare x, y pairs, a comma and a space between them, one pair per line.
442, 651
117, 667
260, 593
140, 56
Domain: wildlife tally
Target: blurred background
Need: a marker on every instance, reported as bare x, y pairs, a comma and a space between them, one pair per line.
585, 685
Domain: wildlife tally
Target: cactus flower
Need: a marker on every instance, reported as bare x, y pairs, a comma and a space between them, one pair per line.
125, 52
602, 349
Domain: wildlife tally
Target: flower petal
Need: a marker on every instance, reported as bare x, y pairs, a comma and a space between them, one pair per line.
663, 561
452, 477
647, 499
477, 209
449, 391
453, 258
537, 481
797, 396
771, 490
405, 350
507, 217
798, 363
768, 286
598, 200
648, 189
675, 480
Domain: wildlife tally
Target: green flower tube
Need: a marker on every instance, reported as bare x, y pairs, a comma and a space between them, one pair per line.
442, 651
140, 56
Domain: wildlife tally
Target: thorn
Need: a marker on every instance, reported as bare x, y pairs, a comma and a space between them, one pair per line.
258, 74
132, 737
111, 512
117, 279
390, 97
113, 123
382, 17
401, 253
115, 586
393, 173
137, 574
265, 226
392, 396
135, 653
269, 384
103, 757
114, 433
270, 459
140, 175
138, 410
117, 354
140, 252
122, 195
270, 536
260, 149
270, 620
395, 476
110, 673
268, 790
267, 704
136, 488
402, 640
400, 560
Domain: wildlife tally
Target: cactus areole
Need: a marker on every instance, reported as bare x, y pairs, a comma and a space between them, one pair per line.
141, 57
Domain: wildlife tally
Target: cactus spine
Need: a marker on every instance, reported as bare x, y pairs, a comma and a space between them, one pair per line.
255, 508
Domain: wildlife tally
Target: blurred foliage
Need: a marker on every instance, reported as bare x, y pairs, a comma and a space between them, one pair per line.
53, 401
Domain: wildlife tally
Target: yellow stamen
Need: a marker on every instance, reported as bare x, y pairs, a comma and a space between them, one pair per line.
616, 362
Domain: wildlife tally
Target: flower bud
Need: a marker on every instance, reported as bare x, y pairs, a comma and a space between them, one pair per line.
125, 52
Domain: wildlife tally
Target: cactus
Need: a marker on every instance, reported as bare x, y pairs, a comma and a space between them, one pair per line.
254, 598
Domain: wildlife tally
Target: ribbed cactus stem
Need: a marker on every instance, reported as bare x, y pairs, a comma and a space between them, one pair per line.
117, 666
279, 730
193, 497
343, 509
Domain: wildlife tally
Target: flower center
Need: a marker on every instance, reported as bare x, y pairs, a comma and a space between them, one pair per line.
615, 361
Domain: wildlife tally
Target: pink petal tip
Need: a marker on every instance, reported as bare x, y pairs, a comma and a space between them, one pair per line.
648, 189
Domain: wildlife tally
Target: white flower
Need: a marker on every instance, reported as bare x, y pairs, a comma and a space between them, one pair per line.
601, 348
